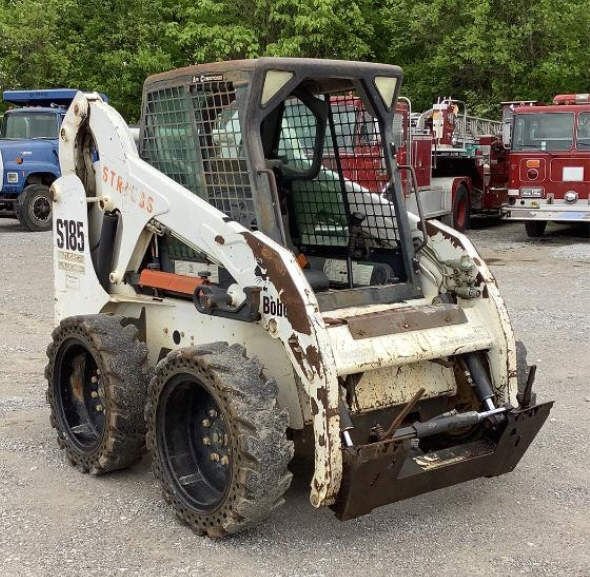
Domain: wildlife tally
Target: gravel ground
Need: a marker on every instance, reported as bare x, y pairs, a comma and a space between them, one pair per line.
55, 521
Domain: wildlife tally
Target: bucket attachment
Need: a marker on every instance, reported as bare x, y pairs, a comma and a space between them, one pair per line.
392, 470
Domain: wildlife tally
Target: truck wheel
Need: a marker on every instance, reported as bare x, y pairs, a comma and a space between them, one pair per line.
97, 378
218, 439
535, 228
34, 208
461, 209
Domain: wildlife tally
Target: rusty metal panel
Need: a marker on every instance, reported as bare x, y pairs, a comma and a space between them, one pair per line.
405, 320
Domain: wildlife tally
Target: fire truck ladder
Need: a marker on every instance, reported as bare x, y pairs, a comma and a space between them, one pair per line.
468, 129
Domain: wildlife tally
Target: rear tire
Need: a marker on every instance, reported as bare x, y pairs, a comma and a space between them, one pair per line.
461, 209
34, 208
535, 228
460, 216
97, 378
218, 439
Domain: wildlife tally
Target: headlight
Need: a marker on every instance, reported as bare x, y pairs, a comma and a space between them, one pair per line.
570, 196
531, 192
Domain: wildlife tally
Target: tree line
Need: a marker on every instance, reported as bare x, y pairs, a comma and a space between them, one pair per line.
480, 51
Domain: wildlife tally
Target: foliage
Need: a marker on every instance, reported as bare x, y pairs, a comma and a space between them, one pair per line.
481, 51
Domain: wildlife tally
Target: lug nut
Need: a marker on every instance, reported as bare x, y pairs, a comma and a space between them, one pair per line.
212, 413
206, 423
225, 460
94, 379
214, 457
206, 441
99, 408
94, 394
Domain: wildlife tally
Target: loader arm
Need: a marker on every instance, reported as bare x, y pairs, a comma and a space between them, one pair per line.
147, 198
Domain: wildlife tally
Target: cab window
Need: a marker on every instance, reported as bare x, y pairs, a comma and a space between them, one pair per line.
583, 131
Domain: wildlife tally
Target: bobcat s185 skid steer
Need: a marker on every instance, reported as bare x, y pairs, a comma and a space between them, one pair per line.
231, 287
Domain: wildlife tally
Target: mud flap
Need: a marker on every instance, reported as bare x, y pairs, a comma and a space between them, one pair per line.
390, 471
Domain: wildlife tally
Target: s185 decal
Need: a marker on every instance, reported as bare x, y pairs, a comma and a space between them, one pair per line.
70, 234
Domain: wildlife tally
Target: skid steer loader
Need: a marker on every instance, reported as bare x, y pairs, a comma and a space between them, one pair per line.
232, 287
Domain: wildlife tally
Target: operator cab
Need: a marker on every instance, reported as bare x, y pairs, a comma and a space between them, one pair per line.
271, 143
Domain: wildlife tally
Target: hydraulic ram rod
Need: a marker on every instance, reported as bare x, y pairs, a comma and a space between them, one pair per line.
444, 423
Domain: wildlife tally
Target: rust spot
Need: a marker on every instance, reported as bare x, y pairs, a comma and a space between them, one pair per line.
271, 262
314, 407
314, 359
311, 355
219, 239
322, 440
334, 322
322, 396
296, 349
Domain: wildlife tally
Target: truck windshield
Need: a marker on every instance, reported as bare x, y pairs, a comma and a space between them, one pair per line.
549, 131
583, 131
29, 126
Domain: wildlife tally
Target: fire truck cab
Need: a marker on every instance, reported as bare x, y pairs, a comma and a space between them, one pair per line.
549, 175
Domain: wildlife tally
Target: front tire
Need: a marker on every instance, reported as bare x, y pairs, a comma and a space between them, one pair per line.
97, 378
535, 228
218, 439
34, 208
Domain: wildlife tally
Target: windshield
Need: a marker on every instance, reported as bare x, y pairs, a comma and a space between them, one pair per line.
322, 196
26, 126
583, 131
554, 131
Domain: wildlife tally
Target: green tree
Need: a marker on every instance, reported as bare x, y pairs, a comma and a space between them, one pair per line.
481, 51
208, 30
486, 51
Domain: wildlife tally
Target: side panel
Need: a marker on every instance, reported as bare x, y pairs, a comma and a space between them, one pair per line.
173, 323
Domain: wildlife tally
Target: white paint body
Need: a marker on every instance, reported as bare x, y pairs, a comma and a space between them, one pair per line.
393, 365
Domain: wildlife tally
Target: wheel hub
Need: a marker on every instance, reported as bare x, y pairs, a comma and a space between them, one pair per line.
196, 443
81, 396
41, 208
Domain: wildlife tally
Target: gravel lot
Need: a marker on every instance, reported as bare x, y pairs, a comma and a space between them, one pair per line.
55, 521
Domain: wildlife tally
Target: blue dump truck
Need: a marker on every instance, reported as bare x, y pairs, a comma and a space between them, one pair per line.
29, 160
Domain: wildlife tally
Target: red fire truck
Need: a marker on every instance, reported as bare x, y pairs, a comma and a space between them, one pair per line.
549, 176
459, 161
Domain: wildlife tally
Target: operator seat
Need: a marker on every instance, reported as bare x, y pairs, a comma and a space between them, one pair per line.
318, 280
